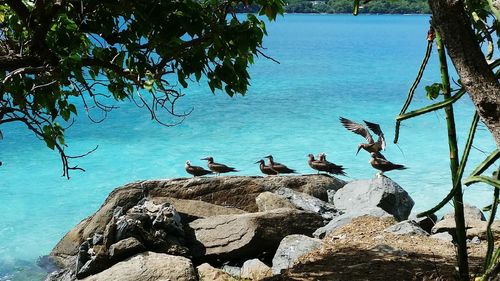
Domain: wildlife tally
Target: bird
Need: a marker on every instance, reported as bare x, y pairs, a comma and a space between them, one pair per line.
266, 170
196, 171
325, 166
371, 146
278, 167
218, 168
383, 165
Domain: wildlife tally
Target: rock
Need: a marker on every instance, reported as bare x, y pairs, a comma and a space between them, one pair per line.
470, 213
407, 227
309, 203
125, 197
125, 248
232, 270
378, 192
255, 270
149, 266
445, 236
208, 272
239, 191
191, 210
267, 201
475, 223
346, 218
426, 223
474, 240
290, 249
248, 235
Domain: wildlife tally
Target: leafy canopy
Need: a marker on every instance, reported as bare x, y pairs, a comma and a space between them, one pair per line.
53, 53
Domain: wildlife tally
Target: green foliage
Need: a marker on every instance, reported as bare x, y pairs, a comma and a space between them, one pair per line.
432, 91
147, 51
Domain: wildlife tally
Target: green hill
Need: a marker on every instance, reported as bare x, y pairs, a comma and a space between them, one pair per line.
345, 6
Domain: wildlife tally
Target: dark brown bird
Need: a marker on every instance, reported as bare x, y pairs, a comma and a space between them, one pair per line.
266, 170
371, 146
383, 165
325, 166
218, 168
196, 170
278, 167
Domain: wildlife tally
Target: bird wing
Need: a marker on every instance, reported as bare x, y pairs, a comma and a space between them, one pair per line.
356, 128
377, 131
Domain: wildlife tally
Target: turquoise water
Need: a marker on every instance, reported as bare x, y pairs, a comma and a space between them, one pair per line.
330, 66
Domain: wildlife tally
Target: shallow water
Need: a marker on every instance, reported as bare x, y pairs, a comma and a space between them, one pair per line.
330, 66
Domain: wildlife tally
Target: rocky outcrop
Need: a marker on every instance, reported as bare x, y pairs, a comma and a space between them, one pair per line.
290, 249
146, 225
233, 192
149, 266
125, 197
375, 193
248, 235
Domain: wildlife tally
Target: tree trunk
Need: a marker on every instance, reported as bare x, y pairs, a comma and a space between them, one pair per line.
449, 18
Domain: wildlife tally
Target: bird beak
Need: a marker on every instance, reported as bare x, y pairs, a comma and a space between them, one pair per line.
206, 158
257, 162
359, 148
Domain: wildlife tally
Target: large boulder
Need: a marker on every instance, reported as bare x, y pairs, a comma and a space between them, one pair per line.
291, 248
248, 235
475, 223
379, 192
149, 266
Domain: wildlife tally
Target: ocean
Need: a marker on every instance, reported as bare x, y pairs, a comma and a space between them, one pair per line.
329, 66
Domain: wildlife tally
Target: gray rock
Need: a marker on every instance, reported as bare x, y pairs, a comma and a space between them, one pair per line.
445, 236
125, 248
149, 266
426, 223
254, 269
290, 249
267, 201
232, 270
346, 218
378, 192
474, 240
309, 203
247, 235
407, 227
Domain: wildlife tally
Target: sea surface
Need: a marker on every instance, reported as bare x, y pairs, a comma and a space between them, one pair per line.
329, 66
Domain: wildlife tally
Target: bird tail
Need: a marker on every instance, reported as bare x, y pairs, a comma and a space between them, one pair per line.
400, 167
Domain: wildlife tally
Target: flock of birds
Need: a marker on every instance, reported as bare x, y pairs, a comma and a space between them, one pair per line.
377, 161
